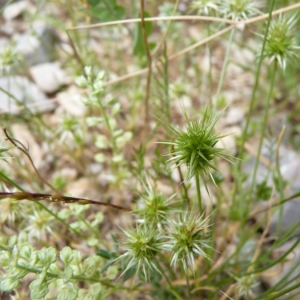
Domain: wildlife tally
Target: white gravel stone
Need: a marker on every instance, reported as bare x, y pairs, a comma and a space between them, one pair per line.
48, 76
21, 91
14, 10
71, 103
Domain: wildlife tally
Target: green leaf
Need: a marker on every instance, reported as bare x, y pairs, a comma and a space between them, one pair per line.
26, 251
106, 10
95, 289
92, 263
129, 273
263, 191
112, 272
9, 284
66, 255
17, 273
67, 274
279, 182
47, 256
116, 244
107, 265
138, 40
106, 254
69, 293
5, 259
38, 291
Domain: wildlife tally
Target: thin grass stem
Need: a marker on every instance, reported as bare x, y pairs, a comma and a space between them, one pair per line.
224, 68
262, 132
199, 198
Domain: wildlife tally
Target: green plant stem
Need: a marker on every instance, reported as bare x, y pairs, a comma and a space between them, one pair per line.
225, 64
276, 261
5, 248
262, 131
188, 286
161, 270
280, 180
88, 225
60, 220
197, 178
106, 120
210, 77
75, 277
149, 74
285, 292
166, 262
251, 106
3, 176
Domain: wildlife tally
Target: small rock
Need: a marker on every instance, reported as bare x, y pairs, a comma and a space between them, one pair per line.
71, 103
37, 47
288, 267
84, 188
68, 173
14, 10
289, 167
23, 92
48, 76
235, 115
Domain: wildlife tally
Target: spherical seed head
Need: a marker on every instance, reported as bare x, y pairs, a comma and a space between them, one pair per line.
195, 147
206, 7
188, 240
238, 10
143, 244
281, 44
156, 206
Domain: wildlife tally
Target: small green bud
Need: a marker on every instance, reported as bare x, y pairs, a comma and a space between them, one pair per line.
92, 263
102, 142
122, 140
93, 121
17, 273
66, 255
112, 123
112, 272
95, 289
92, 242
9, 284
100, 75
100, 158
26, 251
81, 81
67, 274
47, 256
118, 158
116, 108
98, 87
5, 259
69, 292
88, 71
39, 290
12, 241
54, 268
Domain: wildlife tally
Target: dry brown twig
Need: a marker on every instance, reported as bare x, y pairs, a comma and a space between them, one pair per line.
177, 18
57, 197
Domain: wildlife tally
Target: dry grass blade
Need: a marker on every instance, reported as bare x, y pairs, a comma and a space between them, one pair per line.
56, 198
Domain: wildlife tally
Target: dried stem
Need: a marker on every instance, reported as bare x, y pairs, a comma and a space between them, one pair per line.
190, 18
22, 148
149, 59
58, 197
